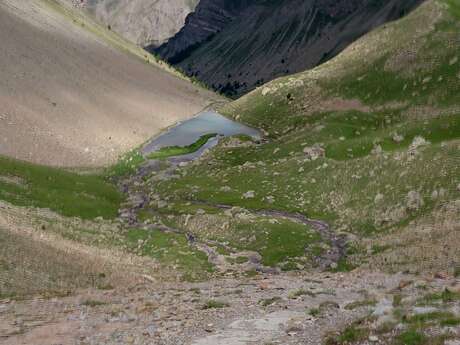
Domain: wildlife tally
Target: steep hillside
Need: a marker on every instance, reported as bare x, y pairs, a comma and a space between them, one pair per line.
339, 227
237, 45
367, 142
76, 94
143, 22
209, 18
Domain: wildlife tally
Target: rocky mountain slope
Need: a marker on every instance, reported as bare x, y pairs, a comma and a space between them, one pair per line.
143, 22
339, 227
234, 46
368, 142
78, 94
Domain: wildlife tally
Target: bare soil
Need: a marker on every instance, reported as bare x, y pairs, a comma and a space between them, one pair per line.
70, 99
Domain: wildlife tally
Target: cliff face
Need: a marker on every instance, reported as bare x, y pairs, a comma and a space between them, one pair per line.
144, 22
234, 46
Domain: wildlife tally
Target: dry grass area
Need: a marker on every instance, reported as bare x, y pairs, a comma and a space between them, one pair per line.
74, 96
430, 244
42, 253
31, 266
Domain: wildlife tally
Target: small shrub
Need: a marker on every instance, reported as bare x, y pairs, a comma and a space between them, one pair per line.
314, 312
349, 335
397, 300
213, 304
359, 304
92, 303
269, 301
301, 292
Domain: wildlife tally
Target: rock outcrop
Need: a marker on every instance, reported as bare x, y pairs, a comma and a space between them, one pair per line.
144, 22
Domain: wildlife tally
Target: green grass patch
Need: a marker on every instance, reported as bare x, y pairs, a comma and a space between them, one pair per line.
269, 301
238, 260
214, 304
126, 165
445, 297
349, 335
454, 7
93, 303
315, 312
411, 337
378, 249
172, 151
277, 243
67, 193
450, 322
170, 249
241, 259
421, 320
299, 293
360, 304
343, 265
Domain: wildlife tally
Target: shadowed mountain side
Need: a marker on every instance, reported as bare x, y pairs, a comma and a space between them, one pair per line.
235, 46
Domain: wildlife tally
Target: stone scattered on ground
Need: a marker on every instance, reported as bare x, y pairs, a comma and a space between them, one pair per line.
158, 312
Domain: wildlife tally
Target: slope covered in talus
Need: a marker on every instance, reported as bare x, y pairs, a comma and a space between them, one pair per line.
73, 93
234, 46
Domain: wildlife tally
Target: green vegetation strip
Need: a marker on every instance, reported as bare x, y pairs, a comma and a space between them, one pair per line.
172, 250
68, 193
172, 151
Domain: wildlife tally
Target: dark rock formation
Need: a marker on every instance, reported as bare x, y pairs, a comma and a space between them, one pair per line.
235, 45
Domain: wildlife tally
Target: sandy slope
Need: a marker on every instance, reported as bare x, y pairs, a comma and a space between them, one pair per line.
69, 99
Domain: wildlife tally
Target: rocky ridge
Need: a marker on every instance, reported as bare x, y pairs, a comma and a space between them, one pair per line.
141, 21
235, 46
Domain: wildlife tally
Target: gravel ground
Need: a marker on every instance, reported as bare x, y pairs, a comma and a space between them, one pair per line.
167, 314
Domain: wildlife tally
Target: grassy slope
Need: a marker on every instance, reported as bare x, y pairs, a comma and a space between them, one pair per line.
84, 196
68, 193
296, 112
29, 267
395, 82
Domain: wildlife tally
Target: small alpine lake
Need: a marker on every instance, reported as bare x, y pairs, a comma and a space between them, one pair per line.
189, 132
